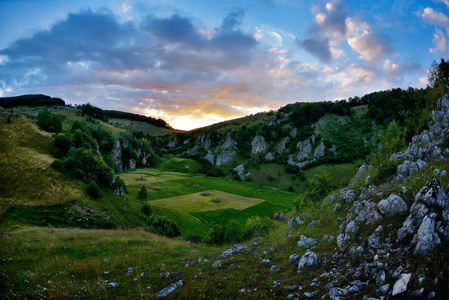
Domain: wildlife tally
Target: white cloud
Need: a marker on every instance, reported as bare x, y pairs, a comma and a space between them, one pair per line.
439, 41
444, 1
435, 18
125, 8
371, 46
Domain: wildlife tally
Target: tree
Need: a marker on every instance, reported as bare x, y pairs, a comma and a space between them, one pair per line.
142, 195
438, 77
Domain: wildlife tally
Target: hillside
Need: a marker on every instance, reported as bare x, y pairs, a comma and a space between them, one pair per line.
71, 226
384, 236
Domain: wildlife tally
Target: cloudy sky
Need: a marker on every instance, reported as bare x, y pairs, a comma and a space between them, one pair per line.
196, 62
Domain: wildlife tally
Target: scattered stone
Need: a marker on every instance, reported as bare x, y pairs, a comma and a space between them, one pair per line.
426, 238
433, 195
374, 242
337, 293
295, 258
391, 206
275, 283
347, 195
234, 249
305, 242
164, 274
274, 268
266, 262
384, 289
308, 259
380, 278
351, 227
296, 220
417, 293
217, 264
342, 239
400, 285
314, 223
177, 285
113, 284
310, 294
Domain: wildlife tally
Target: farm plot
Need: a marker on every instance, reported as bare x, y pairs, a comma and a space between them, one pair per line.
197, 202
147, 177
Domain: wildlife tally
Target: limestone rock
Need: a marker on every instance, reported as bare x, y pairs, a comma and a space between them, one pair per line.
296, 220
319, 150
305, 148
295, 258
365, 212
229, 143
307, 260
210, 157
269, 156
234, 249
342, 239
177, 285
391, 206
305, 242
433, 195
282, 145
426, 238
258, 144
351, 227
224, 157
400, 285
347, 195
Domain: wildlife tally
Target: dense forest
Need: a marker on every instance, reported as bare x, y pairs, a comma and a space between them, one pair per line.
30, 100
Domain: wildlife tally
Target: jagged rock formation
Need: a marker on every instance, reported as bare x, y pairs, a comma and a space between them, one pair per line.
258, 144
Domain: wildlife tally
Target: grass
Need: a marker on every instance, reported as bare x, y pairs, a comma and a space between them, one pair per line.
197, 202
26, 177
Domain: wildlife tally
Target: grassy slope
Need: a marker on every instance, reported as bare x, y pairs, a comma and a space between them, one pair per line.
26, 176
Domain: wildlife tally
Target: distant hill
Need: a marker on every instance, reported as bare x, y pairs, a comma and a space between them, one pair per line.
30, 100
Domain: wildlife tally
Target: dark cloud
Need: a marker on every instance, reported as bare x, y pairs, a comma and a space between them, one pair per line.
90, 46
318, 48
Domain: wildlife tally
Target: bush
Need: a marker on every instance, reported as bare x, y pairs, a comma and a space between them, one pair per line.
93, 190
256, 226
142, 195
215, 235
233, 232
146, 210
163, 226
82, 164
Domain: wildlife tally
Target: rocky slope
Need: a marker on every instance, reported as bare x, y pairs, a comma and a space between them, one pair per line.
392, 237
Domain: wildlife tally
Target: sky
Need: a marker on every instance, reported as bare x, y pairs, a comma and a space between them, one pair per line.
195, 63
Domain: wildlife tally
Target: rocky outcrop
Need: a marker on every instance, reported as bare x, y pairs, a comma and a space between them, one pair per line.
229, 143
204, 140
224, 157
304, 148
258, 144
391, 206
281, 147
307, 260
210, 157
319, 150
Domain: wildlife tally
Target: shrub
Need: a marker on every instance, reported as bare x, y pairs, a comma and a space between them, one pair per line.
256, 226
163, 226
215, 235
233, 232
93, 190
142, 195
146, 210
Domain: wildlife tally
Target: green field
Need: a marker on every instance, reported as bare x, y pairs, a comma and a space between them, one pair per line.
199, 202
178, 196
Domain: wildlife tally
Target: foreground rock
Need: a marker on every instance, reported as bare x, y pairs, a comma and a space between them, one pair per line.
234, 249
177, 285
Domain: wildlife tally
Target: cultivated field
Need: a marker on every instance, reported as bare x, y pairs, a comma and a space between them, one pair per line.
200, 202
